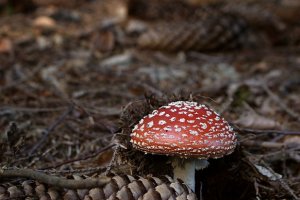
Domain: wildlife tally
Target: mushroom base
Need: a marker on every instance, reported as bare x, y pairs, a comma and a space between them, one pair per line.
184, 169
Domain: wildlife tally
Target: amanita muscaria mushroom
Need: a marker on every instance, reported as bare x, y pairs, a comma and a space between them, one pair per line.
185, 129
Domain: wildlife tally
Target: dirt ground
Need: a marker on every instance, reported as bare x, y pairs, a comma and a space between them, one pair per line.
76, 74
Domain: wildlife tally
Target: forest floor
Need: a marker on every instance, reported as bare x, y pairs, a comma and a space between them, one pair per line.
68, 71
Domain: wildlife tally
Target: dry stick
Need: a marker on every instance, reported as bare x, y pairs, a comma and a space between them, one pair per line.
36, 158
208, 58
54, 180
75, 171
225, 105
276, 155
283, 132
82, 158
113, 159
151, 88
263, 144
5, 109
23, 79
281, 181
280, 102
51, 128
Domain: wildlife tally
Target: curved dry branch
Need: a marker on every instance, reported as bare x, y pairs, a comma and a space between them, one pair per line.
55, 180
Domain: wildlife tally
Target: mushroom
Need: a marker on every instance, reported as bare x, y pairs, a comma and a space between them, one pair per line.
187, 130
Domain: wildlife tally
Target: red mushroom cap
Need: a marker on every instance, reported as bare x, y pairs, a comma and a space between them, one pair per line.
186, 129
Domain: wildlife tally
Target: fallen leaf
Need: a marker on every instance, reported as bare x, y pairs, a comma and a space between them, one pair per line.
271, 175
105, 158
104, 40
253, 120
6, 45
292, 140
44, 22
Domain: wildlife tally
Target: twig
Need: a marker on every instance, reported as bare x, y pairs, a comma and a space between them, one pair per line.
208, 58
76, 171
276, 155
281, 181
264, 144
51, 128
82, 158
113, 159
151, 89
225, 105
198, 95
283, 132
8, 109
36, 158
23, 79
275, 98
54, 180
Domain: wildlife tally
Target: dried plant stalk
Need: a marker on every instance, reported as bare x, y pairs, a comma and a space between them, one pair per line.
212, 33
120, 187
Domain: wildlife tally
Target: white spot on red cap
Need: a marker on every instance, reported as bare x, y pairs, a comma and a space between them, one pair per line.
168, 128
193, 132
182, 120
173, 119
135, 127
150, 124
209, 113
162, 122
133, 134
177, 129
203, 125
161, 113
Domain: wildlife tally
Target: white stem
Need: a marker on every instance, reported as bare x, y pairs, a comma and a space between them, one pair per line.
201, 164
186, 170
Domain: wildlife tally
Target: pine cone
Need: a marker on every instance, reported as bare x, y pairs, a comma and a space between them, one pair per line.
157, 10
256, 14
121, 187
212, 33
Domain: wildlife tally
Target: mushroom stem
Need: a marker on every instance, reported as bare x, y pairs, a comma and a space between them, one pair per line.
184, 169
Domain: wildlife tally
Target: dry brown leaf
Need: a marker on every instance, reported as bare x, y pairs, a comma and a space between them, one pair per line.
202, 2
292, 140
116, 9
104, 40
253, 120
6, 45
105, 158
57, 3
44, 22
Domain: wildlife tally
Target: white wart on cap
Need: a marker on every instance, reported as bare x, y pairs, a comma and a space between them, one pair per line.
185, 129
